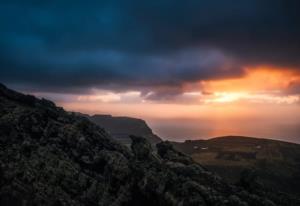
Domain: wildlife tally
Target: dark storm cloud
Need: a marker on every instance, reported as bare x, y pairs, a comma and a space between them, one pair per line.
67, 46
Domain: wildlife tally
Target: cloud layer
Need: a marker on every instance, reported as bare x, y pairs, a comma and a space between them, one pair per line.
154, 47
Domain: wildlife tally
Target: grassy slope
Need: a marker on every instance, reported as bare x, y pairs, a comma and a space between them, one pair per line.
276, 163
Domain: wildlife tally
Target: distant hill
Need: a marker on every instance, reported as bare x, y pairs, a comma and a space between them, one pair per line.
122, 127
276, 164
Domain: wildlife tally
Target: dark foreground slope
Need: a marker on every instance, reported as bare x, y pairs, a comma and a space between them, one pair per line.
122, 127
51, 157
275, 164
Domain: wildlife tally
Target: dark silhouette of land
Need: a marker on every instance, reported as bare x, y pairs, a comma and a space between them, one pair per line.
52, 157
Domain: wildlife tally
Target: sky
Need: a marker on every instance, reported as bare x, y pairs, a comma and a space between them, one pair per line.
192, 69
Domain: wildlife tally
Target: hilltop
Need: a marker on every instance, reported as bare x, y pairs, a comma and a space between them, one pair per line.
275, 164
122, 127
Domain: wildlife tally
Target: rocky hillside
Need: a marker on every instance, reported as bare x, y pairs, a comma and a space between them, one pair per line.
275, 163
51, 157
122, 127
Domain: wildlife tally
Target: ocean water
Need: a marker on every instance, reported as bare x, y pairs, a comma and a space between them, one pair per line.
183, 129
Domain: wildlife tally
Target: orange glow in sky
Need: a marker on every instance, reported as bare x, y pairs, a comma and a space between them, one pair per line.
256, 80
259, 86
262, 95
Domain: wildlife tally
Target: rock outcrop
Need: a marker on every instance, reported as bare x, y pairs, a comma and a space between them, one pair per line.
52, 157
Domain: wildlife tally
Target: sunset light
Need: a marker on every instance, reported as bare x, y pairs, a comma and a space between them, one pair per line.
258, 79
166, 63
226, 97
154, 103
